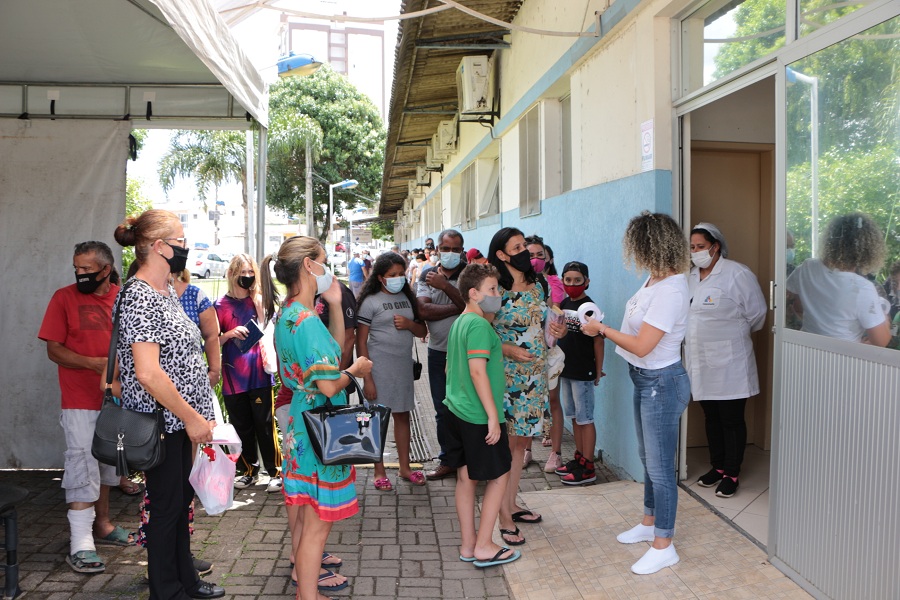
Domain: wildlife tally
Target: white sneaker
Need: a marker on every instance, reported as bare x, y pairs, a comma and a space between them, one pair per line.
275, 485
654, 560
638, 533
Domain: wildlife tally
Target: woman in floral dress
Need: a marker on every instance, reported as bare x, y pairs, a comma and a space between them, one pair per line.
309, 359
520, 325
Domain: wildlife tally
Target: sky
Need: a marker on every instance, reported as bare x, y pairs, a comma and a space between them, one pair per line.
258, 36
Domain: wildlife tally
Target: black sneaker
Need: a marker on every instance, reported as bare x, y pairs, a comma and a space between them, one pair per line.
203, 567
207, 590
727, 487
710, 479
580, 475
245, 481
569, 466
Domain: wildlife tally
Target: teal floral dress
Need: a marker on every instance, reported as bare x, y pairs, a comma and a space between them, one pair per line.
520, 321
307, 353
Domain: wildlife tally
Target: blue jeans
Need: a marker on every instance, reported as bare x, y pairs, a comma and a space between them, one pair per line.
437, 381
577, 400
660, 396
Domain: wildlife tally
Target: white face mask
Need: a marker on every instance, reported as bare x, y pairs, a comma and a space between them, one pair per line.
323, 281
703, 258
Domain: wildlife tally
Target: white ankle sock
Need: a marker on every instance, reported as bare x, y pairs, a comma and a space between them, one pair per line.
638, 533
81, 530
655, 560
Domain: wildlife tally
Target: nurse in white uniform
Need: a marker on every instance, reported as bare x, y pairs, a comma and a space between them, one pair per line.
726, 306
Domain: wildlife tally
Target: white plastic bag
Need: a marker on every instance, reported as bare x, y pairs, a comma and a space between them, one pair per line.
267, 345
212, 476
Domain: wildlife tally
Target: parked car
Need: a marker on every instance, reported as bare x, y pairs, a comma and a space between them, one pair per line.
207, 264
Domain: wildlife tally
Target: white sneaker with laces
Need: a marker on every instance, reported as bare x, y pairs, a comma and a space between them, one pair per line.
638, 533
654, 560
275, 485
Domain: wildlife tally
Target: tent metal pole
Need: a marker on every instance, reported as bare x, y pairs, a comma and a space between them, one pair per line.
261, 195
249, 156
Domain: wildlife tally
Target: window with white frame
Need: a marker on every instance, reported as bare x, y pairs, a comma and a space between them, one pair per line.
530, 163
490, 197
565, 128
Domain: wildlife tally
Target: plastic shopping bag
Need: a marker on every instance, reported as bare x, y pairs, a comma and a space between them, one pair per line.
212, 476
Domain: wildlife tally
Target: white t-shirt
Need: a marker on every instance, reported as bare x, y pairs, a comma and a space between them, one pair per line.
838, 304
663, 305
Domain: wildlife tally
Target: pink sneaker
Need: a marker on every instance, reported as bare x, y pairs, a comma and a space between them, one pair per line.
553, 463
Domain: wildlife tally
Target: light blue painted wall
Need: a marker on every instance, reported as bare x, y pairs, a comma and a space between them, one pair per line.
587, 225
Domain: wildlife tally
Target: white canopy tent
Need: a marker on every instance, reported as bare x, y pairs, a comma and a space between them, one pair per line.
75, 77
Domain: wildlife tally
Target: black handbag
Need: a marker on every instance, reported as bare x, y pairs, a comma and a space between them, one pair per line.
417, 366
350, 434
127, 439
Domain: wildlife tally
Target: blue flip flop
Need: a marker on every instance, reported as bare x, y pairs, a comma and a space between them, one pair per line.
326, 588
467, 558
516, 555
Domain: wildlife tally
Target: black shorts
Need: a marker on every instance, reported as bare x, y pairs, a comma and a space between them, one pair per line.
466, 447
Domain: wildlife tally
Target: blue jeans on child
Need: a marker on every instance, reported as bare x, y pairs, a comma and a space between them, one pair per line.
660, 396
577, 400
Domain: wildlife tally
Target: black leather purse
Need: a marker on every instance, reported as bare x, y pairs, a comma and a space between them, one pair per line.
417, 366
126, 439
348, 435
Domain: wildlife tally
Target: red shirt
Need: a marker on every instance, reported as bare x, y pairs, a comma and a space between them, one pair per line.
83, 324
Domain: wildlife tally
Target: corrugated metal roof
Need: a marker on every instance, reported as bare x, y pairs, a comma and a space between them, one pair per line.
425, 83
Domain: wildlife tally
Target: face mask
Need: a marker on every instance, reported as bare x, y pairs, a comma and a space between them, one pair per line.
246, 282
450, 260
87, 283
789, 256
394, 284
323, 281
434, 259
521, 262
574, 291
490, 304
538, 264
702, 259
179, 259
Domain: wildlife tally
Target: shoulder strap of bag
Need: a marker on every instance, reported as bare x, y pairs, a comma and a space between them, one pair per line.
114, 338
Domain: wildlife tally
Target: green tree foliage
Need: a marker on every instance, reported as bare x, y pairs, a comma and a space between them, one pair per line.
352, 142
136, 202
752, 17
212, 158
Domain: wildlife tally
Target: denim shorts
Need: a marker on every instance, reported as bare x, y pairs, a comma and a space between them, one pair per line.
577, 400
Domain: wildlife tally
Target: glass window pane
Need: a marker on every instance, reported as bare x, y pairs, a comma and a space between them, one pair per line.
724, 35
815, 14
843, 188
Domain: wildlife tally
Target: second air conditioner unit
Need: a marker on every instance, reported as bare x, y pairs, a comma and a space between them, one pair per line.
474, 86
423, 177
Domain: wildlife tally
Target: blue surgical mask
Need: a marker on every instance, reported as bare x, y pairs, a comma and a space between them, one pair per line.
450, 260
394, 284
323, 281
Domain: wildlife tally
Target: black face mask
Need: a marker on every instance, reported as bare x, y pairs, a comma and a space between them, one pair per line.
246, 282
179, 259
87, 283
521, 261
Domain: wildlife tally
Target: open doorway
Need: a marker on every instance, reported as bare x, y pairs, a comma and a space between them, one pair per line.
731, 174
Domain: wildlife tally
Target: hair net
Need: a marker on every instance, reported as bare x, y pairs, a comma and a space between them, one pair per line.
717, 235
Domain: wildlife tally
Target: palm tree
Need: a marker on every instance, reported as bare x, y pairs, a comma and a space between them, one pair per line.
212, 158
296, 138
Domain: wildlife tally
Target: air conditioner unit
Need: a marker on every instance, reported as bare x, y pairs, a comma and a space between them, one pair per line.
447, 135
412, 188
399, 215
414, 217
439, 153
431, 163
423, 176
475, 86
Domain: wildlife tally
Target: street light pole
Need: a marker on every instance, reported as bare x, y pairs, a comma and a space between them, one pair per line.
347, 184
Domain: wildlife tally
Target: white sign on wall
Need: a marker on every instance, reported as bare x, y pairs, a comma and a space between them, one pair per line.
647, 146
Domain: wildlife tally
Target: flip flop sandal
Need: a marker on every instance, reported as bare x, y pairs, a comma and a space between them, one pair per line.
415, 478
519, 517
468, 559
514, 532
325, 565
516, 555
546, 442
81, 562
133, 488
383, 485
330, 588
117, 537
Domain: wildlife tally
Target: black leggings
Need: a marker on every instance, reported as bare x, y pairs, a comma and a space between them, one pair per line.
726, 432
253, 416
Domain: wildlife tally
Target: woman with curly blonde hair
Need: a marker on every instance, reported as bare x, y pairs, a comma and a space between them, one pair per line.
832, 295
650, 339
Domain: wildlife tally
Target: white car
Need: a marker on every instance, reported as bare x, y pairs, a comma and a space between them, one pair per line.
207, 264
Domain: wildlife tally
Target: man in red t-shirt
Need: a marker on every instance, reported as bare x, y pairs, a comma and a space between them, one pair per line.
77, 328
